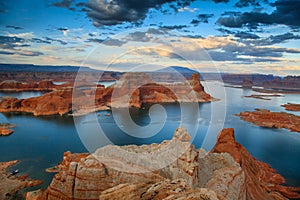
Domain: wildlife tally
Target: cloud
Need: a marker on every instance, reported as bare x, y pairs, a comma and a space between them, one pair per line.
8, 42
173, 27
64, 31
221, 49
286, 13
29, 53
271, 40
188, 9
112, 12
56, 40
246, 35
139, 36
246, 3
108, 41
14, 27
202, 18
6, 53
37, 40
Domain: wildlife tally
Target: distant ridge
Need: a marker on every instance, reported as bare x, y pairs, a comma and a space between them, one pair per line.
182, 70
41, 68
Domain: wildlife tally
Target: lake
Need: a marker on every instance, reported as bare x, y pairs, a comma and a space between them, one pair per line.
39, 142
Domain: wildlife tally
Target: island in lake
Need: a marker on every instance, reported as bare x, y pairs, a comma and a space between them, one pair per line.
266, 118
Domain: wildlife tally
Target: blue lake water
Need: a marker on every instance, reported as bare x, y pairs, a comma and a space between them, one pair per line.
39, 142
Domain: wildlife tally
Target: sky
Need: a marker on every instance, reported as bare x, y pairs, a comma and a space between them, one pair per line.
235, 36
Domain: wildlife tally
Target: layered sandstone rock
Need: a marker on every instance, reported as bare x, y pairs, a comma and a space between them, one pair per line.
56, 102
171, 170
261, 181
265, 118
292, 106
134, 89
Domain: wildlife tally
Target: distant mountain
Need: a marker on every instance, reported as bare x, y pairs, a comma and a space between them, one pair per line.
173, 69
41, 68
187, 72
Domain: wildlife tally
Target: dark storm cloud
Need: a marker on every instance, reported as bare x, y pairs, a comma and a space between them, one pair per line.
287, 13
14, 27
246, 3
114, 12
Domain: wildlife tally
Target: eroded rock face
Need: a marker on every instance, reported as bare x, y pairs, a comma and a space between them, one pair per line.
56, 102
138, 88
171, 170
265, 118
261, 181
166, 189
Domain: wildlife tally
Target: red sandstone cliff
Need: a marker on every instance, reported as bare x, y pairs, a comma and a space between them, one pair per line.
171, 170
261, 181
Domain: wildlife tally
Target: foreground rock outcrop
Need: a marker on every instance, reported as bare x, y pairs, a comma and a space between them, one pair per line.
173, 169
132, 90
265, 118
10, 184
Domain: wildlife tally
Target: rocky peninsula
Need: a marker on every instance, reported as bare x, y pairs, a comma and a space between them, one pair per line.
292, 106
266, 118
173, 169
132, 90
10, 184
